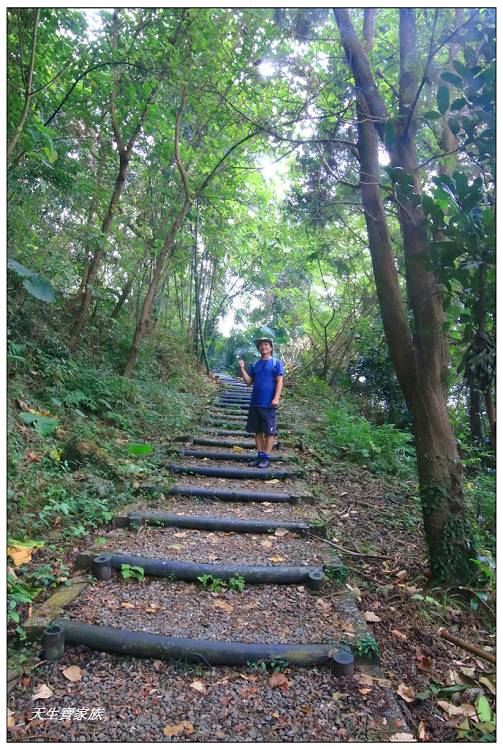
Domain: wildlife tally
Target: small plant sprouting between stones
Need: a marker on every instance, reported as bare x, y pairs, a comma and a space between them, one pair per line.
366, 645
211, 583
237, 583
216, 585
277, 664
336, 574
132, 571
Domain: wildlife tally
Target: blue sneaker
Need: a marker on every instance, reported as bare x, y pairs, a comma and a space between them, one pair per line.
264, 463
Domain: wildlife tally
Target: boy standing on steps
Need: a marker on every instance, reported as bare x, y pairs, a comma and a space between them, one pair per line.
267, 377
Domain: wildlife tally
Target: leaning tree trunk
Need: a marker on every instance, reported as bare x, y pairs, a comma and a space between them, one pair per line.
420, 361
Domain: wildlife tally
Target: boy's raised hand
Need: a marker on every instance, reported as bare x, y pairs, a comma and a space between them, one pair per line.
241, 363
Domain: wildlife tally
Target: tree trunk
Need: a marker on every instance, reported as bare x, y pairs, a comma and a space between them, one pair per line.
474, 413
421, 362
94, 265
141, 327
28, 94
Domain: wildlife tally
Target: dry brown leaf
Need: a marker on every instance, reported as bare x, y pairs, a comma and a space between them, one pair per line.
365, 680
198, 685
355, 591
398, 634
402, 575
281, 532
73, 673
371, 617
407, 693
220, 604
43, 691
11, 722
276, 559
465, 709
365, 691
488, 683
19, 555
278, 679
173, 730
266, 543
425, 663
180, 534
271, 481
237, 449
157, 664
402, 737
128, 605
421, 731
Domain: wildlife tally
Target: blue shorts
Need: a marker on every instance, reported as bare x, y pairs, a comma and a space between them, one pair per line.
262, 419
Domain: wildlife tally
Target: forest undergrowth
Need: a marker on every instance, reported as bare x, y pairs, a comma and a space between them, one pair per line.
364, 479
80, 436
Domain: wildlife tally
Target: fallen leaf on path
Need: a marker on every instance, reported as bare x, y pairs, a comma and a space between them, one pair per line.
11, 722
278, 679
465, 709
365, 691
407, 693
402, 575
271, 481
355, 591
425, 663
220, 604
181, 534
371, 617
237, 449
266, 543
488, 683
173, 730
398, 634
402, 737
198, 686
43, 691
157, 664
128, 605
276, 559
19, 555
281, 532
421, 731
365, 680
73, 673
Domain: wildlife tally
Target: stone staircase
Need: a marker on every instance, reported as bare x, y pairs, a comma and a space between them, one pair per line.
213, 522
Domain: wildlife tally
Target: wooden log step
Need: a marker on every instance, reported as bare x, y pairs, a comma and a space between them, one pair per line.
223, 443
147, 645
230, 472
229, 455
213, 431
183, 570
219, 523
231, 495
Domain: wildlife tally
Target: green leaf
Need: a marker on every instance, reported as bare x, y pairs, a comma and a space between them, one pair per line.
453, 79
39, 288
483, 707
139, 449
443, 97
432, 114
45, 426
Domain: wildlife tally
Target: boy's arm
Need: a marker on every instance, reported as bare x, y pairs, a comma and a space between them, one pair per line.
248, 380
277, 392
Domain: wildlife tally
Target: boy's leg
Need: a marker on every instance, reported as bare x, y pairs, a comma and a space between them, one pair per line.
260, 441
268, 443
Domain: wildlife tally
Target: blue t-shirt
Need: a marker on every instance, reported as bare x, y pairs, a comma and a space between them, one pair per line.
264, 373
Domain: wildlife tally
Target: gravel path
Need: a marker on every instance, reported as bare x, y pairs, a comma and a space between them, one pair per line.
155, 701
300, 511
261, 614
219, 546
140, 698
